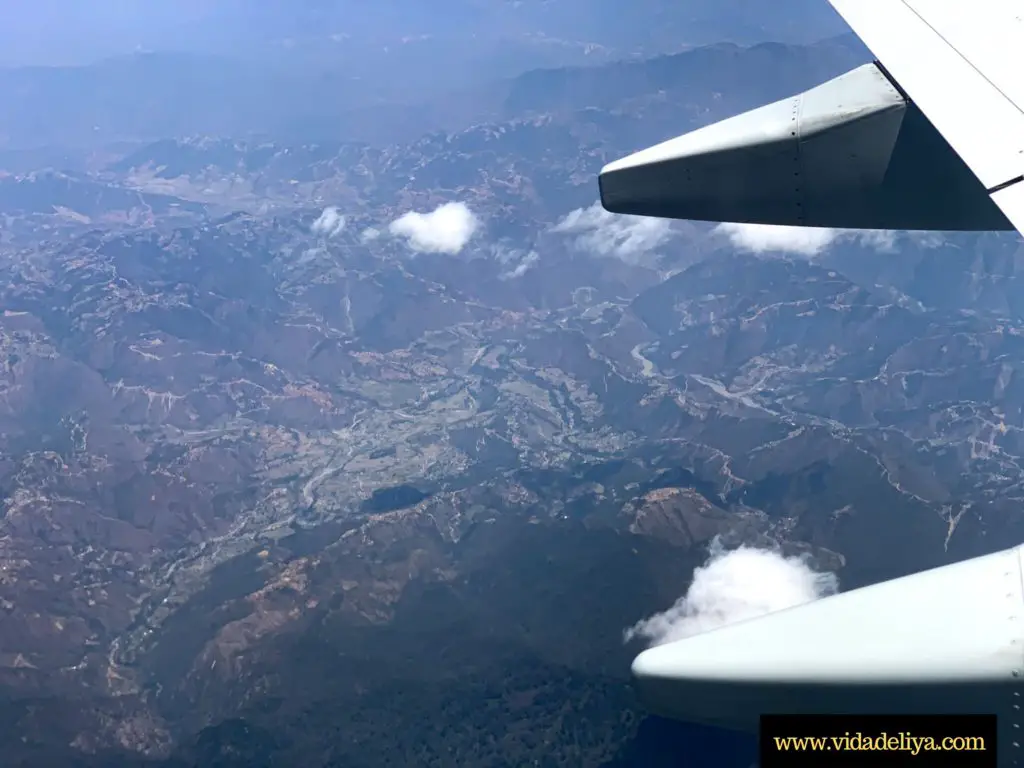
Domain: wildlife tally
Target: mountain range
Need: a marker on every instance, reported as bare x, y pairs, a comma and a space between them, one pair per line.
366, 449
343, 32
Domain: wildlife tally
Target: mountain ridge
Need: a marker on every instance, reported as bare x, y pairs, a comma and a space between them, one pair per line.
262, 471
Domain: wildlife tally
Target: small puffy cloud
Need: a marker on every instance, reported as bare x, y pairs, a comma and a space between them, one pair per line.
629, 238
811, 241
330, 223
516, 261
887, 240
368, 235
765, 238
735, 585
879, 239
446, 229
524, 265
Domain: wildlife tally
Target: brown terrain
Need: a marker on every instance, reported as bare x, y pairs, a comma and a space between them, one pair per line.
281, 491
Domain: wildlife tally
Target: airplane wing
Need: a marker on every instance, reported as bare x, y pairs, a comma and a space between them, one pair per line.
962, 64
929, 136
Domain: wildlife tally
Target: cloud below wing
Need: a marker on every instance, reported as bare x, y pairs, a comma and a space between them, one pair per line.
811, 241
601, 233
735, 585
765, 238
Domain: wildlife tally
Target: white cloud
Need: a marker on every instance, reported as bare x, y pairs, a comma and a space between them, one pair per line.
525, 265
517, 261
369, 235
446, 229
608, 234
764, 238
810, 241
879, 239
330, 223
732, 586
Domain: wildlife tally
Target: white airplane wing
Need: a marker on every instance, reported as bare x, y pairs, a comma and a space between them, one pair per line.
962, 63
929, 136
